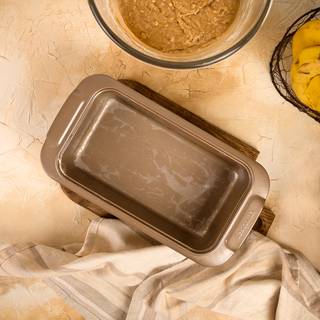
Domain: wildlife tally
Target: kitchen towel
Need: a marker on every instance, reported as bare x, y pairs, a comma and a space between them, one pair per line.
119, 274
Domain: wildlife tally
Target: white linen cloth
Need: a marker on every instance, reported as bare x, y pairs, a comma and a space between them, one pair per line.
118, 274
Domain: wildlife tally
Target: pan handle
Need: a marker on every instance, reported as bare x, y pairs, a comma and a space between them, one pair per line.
244, 224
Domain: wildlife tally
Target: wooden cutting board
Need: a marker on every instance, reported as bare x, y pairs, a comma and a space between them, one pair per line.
266, 217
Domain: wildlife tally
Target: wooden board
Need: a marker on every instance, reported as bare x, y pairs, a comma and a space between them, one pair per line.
266, 217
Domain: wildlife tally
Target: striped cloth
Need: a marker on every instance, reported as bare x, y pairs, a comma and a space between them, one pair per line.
118, 274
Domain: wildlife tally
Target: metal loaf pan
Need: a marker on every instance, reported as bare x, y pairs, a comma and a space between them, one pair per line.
154, 170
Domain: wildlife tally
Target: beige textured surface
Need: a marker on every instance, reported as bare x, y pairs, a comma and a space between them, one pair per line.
30, 299
47, 47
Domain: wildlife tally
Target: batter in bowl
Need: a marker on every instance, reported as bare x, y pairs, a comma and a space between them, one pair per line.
178, 25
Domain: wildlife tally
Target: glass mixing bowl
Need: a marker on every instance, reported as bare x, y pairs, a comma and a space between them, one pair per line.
249, 19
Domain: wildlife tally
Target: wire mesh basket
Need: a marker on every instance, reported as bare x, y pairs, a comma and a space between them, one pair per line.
281, 62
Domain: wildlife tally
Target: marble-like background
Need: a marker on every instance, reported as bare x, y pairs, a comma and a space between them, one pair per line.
47, 47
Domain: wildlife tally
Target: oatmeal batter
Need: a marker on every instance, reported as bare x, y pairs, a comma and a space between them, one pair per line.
178, 25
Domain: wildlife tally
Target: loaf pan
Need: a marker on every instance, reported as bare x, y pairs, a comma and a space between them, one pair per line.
154, 170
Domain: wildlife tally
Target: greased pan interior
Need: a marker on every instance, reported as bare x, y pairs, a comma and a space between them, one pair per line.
155, 171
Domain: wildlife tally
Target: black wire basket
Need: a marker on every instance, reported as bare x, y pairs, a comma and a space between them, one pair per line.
281, 61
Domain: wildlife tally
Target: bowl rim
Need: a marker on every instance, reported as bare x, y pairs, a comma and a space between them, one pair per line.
179, 64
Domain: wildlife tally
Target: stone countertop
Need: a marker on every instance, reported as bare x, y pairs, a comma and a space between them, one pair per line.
48, 47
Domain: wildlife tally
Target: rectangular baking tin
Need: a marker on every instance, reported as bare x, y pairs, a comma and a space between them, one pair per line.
154, 170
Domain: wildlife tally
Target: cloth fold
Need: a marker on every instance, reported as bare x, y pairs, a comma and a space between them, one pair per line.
119, 274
